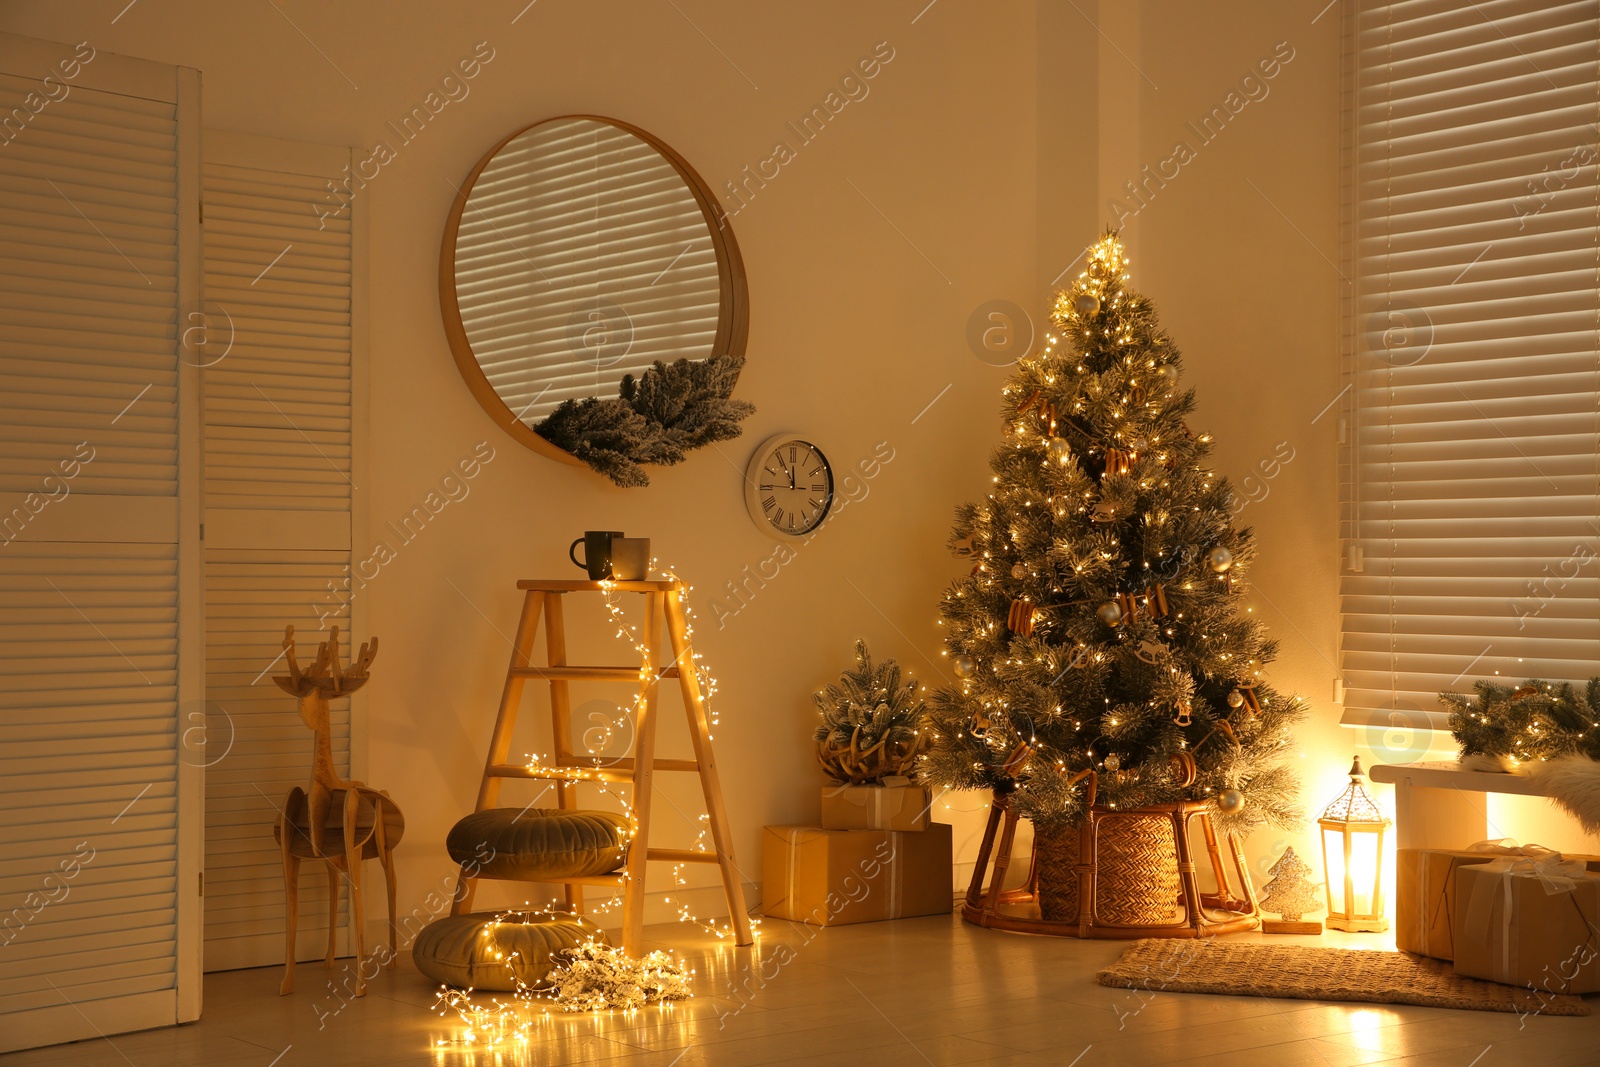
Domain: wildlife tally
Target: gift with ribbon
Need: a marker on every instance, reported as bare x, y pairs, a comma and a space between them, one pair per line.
835, 877
1530, 921
1425, 892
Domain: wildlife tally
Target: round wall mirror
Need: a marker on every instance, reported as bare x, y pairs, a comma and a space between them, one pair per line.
580, 253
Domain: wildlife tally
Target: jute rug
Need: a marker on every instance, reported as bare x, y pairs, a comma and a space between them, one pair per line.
1298, 972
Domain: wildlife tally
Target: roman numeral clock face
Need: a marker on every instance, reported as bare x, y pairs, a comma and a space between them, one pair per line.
789, 487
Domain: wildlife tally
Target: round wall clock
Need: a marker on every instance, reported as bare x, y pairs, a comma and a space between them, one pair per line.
788, 487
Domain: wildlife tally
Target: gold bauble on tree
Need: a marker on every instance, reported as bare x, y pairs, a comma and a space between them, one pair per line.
1220, 559
1087, 305
964, 666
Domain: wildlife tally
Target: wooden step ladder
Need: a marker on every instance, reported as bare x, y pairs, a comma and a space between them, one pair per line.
664, 603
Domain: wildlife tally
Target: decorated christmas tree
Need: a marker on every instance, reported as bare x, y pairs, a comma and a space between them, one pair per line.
1102, 646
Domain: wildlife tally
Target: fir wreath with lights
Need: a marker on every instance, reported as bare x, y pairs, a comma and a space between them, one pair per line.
1103, 652
1536, 720
1547, 731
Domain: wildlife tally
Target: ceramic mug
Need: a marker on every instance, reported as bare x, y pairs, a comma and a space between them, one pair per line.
630, 559
597, 550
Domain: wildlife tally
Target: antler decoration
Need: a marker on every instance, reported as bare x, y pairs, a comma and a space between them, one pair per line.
326, 674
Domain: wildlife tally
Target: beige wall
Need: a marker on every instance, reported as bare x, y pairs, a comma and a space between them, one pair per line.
989, 142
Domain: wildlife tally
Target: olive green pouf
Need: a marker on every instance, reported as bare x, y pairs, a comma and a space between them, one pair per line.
495, 951
535, 844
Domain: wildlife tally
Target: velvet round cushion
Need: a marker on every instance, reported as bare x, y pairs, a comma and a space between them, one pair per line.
537, 844
495, 952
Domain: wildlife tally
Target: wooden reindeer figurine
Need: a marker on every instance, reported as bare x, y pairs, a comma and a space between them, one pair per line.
339, 822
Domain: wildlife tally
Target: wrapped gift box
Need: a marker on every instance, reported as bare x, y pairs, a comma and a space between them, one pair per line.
835, 877
875, 807
1529, 923
1425, 891
1425, 899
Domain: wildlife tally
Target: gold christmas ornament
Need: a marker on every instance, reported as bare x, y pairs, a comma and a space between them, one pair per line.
1168, 376
1060, 451
1113, 762
1110, 613
1019, 570
1119, 460
1087, 305
964, 666
1219, 559
1230, 801
1235, 699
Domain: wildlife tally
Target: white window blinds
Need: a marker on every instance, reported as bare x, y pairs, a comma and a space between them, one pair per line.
1471, 476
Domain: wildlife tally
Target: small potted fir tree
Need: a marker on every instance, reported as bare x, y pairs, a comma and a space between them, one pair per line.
868, 743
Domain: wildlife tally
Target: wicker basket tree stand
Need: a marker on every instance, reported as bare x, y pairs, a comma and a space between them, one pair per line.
1121, 874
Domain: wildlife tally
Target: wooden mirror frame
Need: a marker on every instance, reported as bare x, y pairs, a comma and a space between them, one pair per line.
733, 311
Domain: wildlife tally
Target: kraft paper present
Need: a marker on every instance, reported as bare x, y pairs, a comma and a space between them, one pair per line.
836, 877
1425, 890
875, 807
1425, 899
1529, 923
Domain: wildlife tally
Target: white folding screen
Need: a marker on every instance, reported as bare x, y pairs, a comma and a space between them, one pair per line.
99, 553
1471, 478
282, 471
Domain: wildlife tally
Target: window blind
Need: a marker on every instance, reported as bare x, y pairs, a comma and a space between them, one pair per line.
582, 256
1471, 468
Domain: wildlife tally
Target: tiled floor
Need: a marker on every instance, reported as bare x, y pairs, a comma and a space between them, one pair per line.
913, 992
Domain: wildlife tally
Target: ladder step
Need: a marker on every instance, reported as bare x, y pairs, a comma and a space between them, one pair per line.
680, 855
590, 674
555, 774
625, 763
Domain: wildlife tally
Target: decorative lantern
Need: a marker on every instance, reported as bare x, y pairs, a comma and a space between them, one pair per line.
1352, 857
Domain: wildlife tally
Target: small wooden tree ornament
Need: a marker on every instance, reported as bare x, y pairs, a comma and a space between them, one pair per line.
1291, 894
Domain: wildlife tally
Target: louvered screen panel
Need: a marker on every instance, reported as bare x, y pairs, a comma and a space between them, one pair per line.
248, 602
1472, 483
280, 470
569, 221
278, 299
88, 744
88, 287
98, 880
